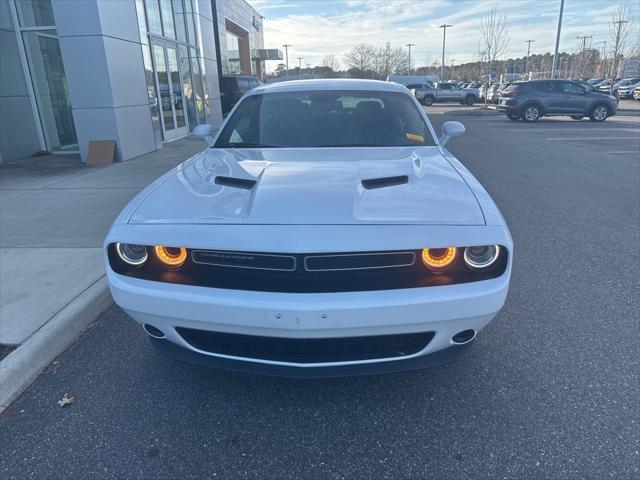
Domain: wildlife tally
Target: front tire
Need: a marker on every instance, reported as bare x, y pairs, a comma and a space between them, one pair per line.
599, 113
470, 99
513, 116
428, 100
531, 113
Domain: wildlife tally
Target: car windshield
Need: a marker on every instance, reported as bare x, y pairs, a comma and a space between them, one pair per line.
330, 118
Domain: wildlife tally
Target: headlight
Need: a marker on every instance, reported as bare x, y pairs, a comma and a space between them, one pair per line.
171, 256
131, 253
439, 258
481, 256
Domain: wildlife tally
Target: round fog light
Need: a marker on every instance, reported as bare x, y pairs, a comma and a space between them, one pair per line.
439, 258
171, 256
481, 256
131, 253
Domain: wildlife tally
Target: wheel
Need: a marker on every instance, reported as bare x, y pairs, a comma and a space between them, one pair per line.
577, 117
513, 116
599, 113
428, 100
470, 99
531, 113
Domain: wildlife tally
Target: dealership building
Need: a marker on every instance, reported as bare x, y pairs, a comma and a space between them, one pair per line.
139, 72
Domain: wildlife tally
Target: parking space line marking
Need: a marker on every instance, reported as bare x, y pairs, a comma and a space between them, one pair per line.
578, 129
625, 152
592, 138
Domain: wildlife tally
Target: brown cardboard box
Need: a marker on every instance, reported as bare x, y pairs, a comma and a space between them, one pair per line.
101, 152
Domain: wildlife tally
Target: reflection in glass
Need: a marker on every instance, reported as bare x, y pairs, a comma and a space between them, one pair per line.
176, 89
233, 54
142, 21
154, 106
178, 12
35, 13
50, 87
187, 87
167, 18
163, 83
198, 87
191, 27
153, 17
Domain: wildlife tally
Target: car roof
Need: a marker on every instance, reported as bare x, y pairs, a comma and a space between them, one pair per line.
330, 84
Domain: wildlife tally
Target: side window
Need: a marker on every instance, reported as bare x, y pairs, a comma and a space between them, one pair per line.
444, 86
455, 87
243, 85
543, 87
568, 87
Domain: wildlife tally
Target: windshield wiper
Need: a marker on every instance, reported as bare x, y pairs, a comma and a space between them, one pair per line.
246, 145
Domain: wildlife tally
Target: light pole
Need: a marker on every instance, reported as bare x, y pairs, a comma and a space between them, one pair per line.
555, 55
526, 62
584, 45
409, 45
286, 50
300, 66
444, 26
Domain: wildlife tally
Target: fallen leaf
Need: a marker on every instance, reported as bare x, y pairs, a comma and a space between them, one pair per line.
66, 400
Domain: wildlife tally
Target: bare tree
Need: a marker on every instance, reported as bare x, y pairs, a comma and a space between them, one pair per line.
331, 62
620, 27
361, 57
495, 35
390, 61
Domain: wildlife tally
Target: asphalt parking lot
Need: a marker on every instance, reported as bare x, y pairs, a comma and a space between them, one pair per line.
549, 390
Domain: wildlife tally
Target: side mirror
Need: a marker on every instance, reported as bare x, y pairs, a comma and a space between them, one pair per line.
451, 130
204, 131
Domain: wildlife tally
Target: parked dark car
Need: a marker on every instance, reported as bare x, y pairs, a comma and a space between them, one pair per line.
533, 99
233, 88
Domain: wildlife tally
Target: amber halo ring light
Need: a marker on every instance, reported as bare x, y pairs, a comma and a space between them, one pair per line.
171, 256
439, 258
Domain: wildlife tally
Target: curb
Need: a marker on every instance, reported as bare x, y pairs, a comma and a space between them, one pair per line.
21, 367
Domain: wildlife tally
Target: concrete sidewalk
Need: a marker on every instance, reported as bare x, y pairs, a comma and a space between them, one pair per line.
54, 215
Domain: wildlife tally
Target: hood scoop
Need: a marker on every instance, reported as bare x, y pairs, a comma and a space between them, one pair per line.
235, 182
383, 182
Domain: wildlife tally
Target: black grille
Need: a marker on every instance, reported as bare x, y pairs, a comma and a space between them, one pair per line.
306, 272
306, 350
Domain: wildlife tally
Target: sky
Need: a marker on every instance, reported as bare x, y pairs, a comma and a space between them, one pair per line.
317, 28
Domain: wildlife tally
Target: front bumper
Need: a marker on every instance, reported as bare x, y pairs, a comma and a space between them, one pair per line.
443, 310
435, 359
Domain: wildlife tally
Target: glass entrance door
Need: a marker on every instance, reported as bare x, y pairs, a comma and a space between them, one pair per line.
168, 78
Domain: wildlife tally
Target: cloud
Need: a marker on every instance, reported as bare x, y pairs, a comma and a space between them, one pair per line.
331, 27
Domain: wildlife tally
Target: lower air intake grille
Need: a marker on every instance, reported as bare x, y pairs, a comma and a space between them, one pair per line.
307, 350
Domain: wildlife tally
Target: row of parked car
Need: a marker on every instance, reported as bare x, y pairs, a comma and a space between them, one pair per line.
623, 88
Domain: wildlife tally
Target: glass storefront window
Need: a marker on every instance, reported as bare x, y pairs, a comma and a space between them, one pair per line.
142, 21
187, 87
167, 18
154, 104
51, 91
178, 12
153, 17
198, 87
233, 54
35, 13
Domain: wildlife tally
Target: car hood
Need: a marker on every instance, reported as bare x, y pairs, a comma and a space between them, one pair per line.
312, 187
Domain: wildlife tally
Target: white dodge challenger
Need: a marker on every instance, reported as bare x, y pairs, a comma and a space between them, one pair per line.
326, 231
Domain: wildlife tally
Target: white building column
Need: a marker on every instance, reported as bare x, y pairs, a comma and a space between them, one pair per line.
102, 56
